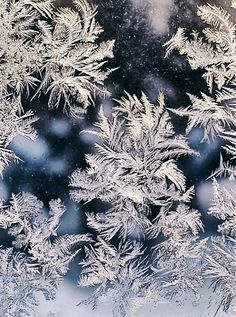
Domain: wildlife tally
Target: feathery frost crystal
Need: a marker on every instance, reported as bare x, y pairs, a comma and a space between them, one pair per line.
215, 52
147, 246
49, 50
135, 170
48, 256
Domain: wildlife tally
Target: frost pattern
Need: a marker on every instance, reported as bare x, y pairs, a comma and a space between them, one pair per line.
20, 282
52, 51
12, 123
57, 48
56, 52
47, 256
135, 170
222, 255
215, 53
134, 166
119, 273
147, 246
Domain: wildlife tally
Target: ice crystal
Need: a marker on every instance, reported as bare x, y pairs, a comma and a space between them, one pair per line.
49, 50
47, 258
20, 282
133, 168
214, 52
55, 51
